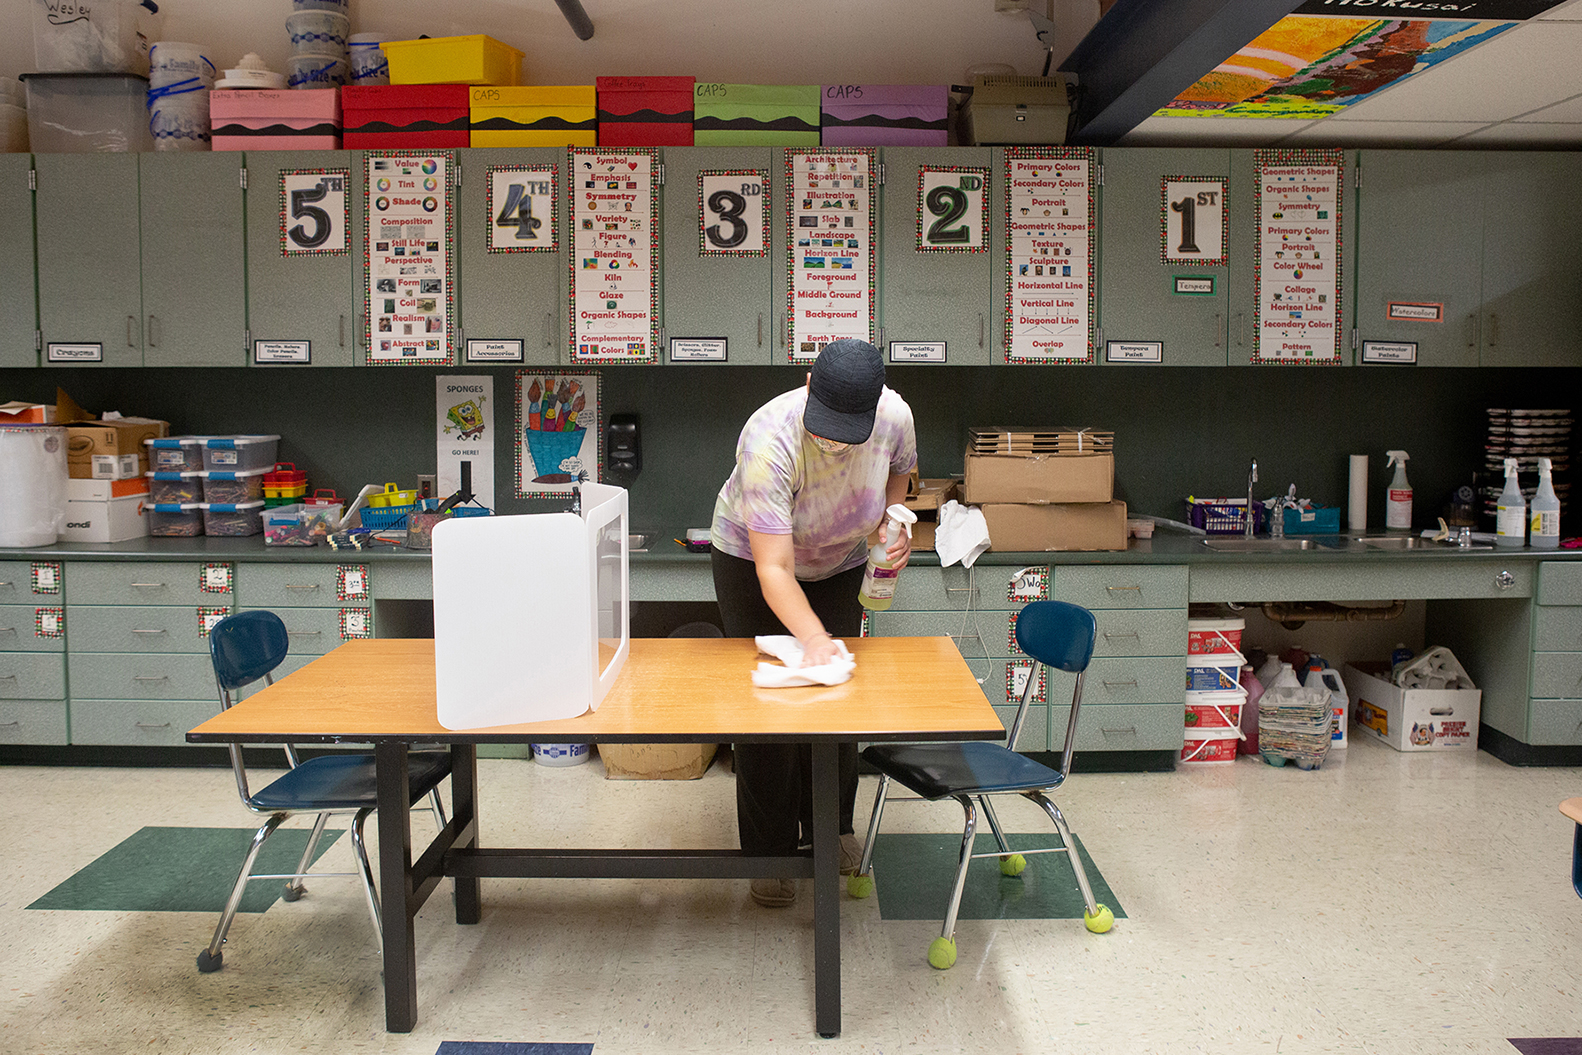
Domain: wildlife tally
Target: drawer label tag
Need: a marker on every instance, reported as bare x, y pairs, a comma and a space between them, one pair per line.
1029, 584
1016, 674
46, 577
354, 623
351, 582
215, 578
49, 622
207, 617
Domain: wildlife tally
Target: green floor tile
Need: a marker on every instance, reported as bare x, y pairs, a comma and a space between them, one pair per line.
185, 870
913, 876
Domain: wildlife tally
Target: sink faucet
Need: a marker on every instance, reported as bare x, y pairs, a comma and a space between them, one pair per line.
1251, 521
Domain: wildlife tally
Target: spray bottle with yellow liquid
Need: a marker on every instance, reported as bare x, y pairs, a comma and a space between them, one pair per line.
878, 581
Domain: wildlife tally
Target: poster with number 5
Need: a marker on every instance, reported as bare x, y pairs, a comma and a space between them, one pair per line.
313, 212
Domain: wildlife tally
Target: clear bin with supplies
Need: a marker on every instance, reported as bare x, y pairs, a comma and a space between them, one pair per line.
93, 36
174, 488
232, 487
239, 453
175, 454
233, 518
88, 113
174, 519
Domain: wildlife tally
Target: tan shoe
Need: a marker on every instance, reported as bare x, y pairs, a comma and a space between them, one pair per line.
774, 893
850, 854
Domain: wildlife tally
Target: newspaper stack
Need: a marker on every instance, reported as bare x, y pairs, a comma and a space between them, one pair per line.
1293, 725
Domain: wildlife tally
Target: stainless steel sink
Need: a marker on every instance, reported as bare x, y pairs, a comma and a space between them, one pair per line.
1394, 542
1242, 544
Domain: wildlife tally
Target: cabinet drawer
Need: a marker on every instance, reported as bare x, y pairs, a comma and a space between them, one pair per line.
20, 625
1120, 585
1557, 675
301, 585
949, 589
32, 721
18, 585
1148, 679
137, 723
312, 631
143, 582
1141, 728
32, 676
142, 676
1554, 630
140, 628
1559, 582
1554, 722
1142, 632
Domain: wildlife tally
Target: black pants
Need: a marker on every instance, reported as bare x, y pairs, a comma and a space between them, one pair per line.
774, 793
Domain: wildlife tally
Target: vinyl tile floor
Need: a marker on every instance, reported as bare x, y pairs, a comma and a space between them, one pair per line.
1385, 903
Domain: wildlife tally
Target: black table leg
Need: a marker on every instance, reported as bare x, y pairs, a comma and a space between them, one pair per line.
395, 886
464, 808
826, 888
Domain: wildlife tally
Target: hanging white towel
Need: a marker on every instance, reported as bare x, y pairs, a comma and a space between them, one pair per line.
788, 650
963, 534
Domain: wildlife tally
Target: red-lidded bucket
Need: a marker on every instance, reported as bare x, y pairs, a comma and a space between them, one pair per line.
1210, 747
1206, 637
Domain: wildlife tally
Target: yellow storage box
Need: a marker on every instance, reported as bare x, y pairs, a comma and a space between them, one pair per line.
539, 116
453, 60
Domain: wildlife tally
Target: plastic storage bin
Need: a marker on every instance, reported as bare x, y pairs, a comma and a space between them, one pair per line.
230, 488
1211, 636
239, 453
174, 520
1224, 516
104, 36
283, 526
88, 113
233, 518
453, 60
174, 488
175, 454
285, 480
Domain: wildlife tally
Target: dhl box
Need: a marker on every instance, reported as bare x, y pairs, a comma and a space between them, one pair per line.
645, 111
756, 115
557, 116
303, 119
405, 115
84, 439
1063, 526
885, 115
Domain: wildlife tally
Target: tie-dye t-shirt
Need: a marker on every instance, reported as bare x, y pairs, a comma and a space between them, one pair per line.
828, 503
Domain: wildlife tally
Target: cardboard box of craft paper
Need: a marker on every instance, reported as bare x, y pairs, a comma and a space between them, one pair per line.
656, 761
1060, 526
106, 520
1038, 479
1440, 720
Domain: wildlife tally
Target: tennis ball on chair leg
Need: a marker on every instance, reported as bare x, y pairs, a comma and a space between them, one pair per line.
1099, 922
1013, 864
942, 953
859, 886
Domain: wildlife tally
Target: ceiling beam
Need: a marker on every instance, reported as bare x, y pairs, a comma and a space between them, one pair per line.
1144, 53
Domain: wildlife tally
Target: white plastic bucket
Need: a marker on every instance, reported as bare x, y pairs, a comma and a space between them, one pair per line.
178, 116
32, 484
560, 754
1211, 747
172, 61
1208, 636
1216, 673
367, 59
1215, 711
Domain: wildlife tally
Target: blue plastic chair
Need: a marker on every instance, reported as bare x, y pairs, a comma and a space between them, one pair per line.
247, 646
1573, 808
1058, 635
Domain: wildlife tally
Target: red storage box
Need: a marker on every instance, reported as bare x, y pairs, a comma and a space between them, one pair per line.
304, 119
419, 116
645, 111
884, 115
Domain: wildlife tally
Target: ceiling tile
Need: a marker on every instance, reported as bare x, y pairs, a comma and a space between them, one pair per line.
1209, 131
1526, 135
1569, 110
1331, 132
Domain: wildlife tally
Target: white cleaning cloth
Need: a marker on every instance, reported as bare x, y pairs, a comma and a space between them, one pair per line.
962, 534
788, 650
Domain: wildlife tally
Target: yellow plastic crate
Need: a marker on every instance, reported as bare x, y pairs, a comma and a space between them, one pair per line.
537, 116
453, 60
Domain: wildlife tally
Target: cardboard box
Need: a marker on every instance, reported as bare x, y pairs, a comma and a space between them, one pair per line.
881, 115
20, 412
1038, 479
656, 761
924, 497
421, 116
104, 490
1056, 527
645, 111
84, 439
112, 520
756, 115
1438, 720
300, 119
553, 116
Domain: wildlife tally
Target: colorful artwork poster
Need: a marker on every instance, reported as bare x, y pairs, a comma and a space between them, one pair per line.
522, 209
410, 246
1192, 213
1296, 278
952, 210
557, 432
1309, 67
830, 248
615, 244
315, 212
1049, 254
733, 212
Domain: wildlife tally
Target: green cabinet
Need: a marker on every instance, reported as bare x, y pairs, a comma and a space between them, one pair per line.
194, 285
18, 309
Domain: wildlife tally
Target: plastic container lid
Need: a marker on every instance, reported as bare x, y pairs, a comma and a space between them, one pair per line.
251, 72
227, 474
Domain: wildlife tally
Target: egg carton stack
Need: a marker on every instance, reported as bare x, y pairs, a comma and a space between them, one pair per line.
319, 32
1527, 435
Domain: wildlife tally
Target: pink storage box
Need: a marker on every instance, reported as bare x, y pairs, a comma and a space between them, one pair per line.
884, 115
300, 119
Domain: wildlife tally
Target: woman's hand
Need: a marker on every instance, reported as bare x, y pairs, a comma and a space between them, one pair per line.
899, 551
819, 649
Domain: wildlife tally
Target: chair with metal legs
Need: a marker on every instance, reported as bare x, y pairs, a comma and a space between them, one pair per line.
1055, 634
248, 646
1572, 808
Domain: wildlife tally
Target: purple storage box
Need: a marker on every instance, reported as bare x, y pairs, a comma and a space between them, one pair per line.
884, 115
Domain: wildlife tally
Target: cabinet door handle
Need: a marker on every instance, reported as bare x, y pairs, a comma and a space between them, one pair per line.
11, 725
1504, 580
760, 329
549, 329
135, 630
131, 331
341, 331
1219, 317
150, 725
983, 328
147, 585
1472, 330
1241, 329
303, 633
1130, 730
1130, 683
1494, 329
7, 629
1130, 633
1119, 589
153, 331
7, 677
302, 586
150, 677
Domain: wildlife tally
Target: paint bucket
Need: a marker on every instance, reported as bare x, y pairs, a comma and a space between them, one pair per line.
560, 754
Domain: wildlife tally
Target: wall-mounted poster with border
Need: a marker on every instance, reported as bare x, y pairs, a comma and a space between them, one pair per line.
733, 212
522, 209
952, 209
315, 212
46, 577
614, 286
558, 431
1049, 218
1297, 256
829, 247
1017, 672
1192, 218
410, 246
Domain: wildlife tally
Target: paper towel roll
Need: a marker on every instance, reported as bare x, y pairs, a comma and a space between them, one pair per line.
1358, 513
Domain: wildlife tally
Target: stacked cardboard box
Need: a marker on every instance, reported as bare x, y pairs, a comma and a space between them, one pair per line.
1045, 489
924, 497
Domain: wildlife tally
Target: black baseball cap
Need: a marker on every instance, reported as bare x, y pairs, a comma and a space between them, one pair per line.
843, 392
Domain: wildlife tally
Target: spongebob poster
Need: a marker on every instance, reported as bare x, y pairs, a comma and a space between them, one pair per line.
464, 432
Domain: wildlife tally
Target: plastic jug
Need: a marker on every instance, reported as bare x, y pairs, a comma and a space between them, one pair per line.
1249, 711
1325, 677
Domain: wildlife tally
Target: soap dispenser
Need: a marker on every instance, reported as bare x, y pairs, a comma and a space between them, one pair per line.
1510, 511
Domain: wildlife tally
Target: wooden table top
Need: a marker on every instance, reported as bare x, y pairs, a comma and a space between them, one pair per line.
678, 690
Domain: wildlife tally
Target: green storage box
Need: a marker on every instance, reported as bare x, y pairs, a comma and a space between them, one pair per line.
764, 115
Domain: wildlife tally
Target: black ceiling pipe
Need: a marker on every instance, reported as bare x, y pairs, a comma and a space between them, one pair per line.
581, 24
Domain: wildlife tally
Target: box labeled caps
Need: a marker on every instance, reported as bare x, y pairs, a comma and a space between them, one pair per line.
554, 116
1056, 526
420, 116
301, 119
1443, 720
762, 115
645, 111
885, 115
